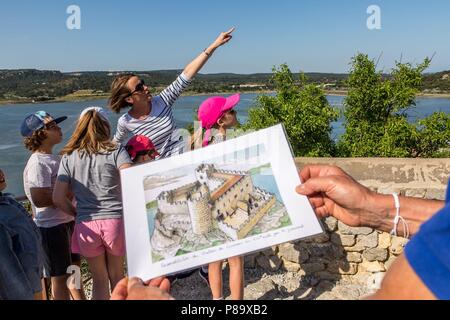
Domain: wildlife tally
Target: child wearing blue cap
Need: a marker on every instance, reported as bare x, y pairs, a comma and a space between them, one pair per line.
41, 133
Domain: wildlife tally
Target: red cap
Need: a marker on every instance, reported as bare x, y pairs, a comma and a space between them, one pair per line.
138, 144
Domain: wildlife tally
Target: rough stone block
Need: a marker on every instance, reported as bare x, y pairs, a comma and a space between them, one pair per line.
389, 189
325, 286
347, 292
310, 280
291, 266
324, 237
354, 257
368, 241
250, 260
356, 248
347, 230
325, 250
376, 254
269, 252
342, 267
416, 193
326, 296
374, 281
343, 240
398, 244
384, 240
321, 238
330, 224
312, 267
269, 263
325, 275
259, 289
293, 252
373, 267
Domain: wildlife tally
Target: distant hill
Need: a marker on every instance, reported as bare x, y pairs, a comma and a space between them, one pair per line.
437, 82
44, 85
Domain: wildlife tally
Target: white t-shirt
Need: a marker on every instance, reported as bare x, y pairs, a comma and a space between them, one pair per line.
41, 172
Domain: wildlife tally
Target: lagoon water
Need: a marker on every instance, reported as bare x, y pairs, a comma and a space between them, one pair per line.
13, 155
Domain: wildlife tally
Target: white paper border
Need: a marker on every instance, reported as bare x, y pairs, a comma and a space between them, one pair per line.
286, 176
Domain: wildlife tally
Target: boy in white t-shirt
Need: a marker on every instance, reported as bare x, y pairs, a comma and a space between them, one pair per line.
41, 133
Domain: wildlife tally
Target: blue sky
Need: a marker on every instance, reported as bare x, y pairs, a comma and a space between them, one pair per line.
309, 35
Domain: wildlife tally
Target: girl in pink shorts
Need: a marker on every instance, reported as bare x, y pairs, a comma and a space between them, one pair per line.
89, 170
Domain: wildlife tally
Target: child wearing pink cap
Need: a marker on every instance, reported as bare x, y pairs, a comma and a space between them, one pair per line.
217, 113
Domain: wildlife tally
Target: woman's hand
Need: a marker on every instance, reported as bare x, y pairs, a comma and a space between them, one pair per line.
195, 65
332, 192
136, 289
223, 38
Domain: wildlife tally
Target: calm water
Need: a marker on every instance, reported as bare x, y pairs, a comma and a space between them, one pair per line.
14, 156
265, 180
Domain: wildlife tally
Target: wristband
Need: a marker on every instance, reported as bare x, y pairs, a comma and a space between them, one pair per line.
399, 218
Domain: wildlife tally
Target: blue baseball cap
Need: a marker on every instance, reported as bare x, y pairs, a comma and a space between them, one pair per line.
37, 121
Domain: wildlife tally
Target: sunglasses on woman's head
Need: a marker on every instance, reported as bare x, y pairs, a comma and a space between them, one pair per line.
139, 87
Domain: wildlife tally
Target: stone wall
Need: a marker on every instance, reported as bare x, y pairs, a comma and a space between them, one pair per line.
356, 257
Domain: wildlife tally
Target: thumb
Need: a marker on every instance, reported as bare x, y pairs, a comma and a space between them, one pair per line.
134, 281
316, 185
120, 291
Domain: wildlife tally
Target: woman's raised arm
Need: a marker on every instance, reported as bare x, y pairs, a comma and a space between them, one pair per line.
194, 67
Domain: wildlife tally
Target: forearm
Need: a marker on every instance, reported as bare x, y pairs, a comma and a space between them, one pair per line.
415, 211
44, 201
66, 205
42, 197
194, 67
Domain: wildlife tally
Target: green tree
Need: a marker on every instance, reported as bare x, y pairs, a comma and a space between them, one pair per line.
376, 123
302, 108
434, 133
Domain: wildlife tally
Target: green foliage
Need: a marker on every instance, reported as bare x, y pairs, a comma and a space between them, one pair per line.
434, 136
375, 114
302, 108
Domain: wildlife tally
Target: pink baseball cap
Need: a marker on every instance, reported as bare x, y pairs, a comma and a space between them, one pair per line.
212, 109
139, 144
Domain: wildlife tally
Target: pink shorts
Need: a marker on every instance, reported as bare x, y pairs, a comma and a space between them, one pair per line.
92, 238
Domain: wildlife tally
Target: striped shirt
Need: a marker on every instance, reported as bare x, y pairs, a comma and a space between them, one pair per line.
159, 126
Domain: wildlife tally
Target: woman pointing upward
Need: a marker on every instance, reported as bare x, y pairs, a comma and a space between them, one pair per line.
152, 116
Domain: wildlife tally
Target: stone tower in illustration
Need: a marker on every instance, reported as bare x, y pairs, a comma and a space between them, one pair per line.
203, 172
200, 210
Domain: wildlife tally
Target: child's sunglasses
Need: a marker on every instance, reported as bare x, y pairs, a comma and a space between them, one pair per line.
151, 153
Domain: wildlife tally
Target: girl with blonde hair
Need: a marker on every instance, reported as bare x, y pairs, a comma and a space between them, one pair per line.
90, 170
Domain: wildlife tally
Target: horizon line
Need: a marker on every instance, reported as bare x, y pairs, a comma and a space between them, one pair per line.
179, 70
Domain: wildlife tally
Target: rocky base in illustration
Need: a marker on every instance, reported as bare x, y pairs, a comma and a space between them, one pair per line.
173, 236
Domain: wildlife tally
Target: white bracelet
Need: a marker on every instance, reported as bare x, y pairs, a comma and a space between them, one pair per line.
399, 218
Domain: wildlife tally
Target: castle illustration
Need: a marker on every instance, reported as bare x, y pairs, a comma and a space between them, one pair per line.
218, 199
